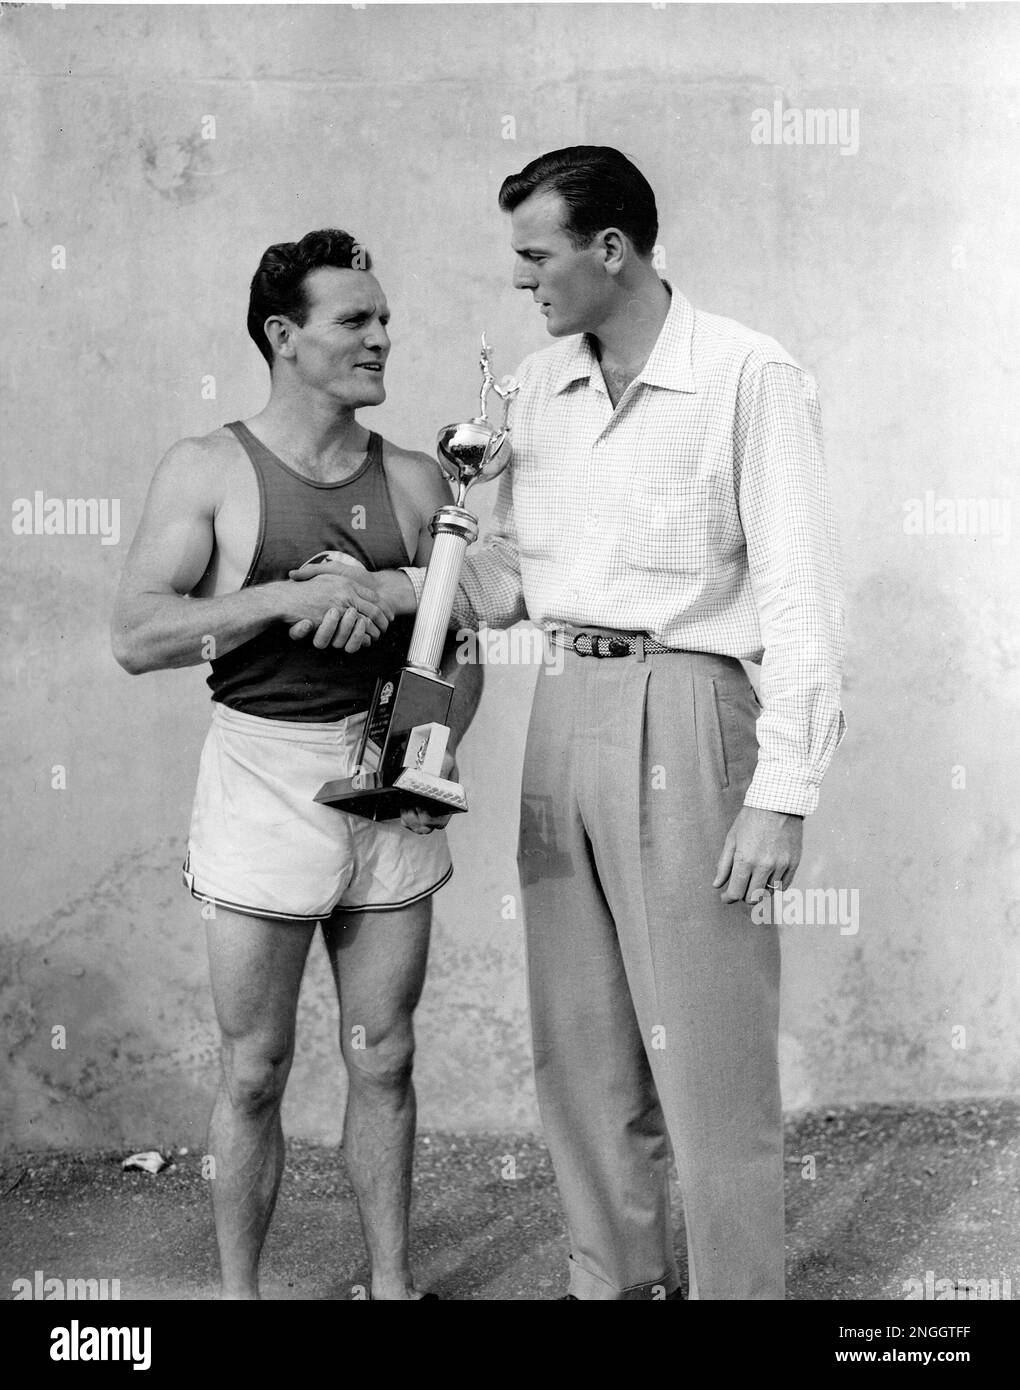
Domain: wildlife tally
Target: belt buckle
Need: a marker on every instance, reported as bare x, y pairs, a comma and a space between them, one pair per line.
600, 646
616, 646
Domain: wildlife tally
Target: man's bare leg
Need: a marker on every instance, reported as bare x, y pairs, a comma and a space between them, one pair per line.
256, 967
379, 963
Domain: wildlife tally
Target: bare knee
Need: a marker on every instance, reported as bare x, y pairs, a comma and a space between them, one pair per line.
254, 1075
380, 1063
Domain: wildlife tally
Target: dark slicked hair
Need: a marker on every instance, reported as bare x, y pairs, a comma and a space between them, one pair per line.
600, 187
278, 286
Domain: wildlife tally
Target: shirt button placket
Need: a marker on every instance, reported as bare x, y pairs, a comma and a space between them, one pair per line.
592, 518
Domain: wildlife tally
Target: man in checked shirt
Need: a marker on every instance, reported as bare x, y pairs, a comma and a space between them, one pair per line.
666, 516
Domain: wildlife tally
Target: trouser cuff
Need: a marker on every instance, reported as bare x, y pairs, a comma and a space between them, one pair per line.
585, 1285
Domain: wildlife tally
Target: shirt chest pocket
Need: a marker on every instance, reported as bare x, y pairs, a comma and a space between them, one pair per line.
670, 523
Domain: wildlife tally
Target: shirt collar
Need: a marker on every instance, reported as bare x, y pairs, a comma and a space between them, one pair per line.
669, 363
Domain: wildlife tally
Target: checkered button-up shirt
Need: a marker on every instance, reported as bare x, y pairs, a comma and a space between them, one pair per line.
696, 511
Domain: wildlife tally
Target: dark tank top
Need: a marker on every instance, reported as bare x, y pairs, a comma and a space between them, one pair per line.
271, 675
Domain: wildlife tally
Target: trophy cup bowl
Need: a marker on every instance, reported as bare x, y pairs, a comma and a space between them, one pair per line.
472, 451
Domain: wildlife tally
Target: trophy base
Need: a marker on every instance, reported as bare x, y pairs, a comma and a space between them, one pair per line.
362, 795
402, 702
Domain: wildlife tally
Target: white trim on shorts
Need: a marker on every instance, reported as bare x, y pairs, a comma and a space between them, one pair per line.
407, 902
189, 883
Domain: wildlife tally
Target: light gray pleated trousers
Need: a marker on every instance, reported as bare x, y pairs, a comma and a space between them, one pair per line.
654, 1006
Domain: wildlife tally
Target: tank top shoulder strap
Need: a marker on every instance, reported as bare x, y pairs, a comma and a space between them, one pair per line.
254, 448
376, 471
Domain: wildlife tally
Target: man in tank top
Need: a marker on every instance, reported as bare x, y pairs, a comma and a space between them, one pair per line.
217, 572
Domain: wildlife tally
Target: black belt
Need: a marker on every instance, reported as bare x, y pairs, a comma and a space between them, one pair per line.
593, 642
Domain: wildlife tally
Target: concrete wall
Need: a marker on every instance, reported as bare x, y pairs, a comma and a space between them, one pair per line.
891, 272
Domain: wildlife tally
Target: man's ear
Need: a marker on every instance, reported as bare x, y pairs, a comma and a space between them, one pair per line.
280, 332
616, 250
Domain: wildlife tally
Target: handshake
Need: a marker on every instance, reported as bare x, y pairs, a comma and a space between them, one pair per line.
348, 607
342, 603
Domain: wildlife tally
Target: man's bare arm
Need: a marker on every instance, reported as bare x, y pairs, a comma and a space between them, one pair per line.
157, 625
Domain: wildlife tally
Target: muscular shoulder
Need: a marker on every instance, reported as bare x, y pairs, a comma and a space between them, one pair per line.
202, 466
417, 479
203, 453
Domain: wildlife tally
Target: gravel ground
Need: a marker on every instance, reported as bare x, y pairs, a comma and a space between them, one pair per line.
877, 1196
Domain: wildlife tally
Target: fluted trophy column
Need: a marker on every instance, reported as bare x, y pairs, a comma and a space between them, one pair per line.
453, 534
405, 734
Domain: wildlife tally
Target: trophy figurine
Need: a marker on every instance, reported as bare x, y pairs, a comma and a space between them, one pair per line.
406, 734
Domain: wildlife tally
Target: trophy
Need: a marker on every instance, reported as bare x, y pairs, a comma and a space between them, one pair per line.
405, 736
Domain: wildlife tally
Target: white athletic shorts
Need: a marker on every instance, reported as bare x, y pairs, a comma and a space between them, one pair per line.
260, 844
